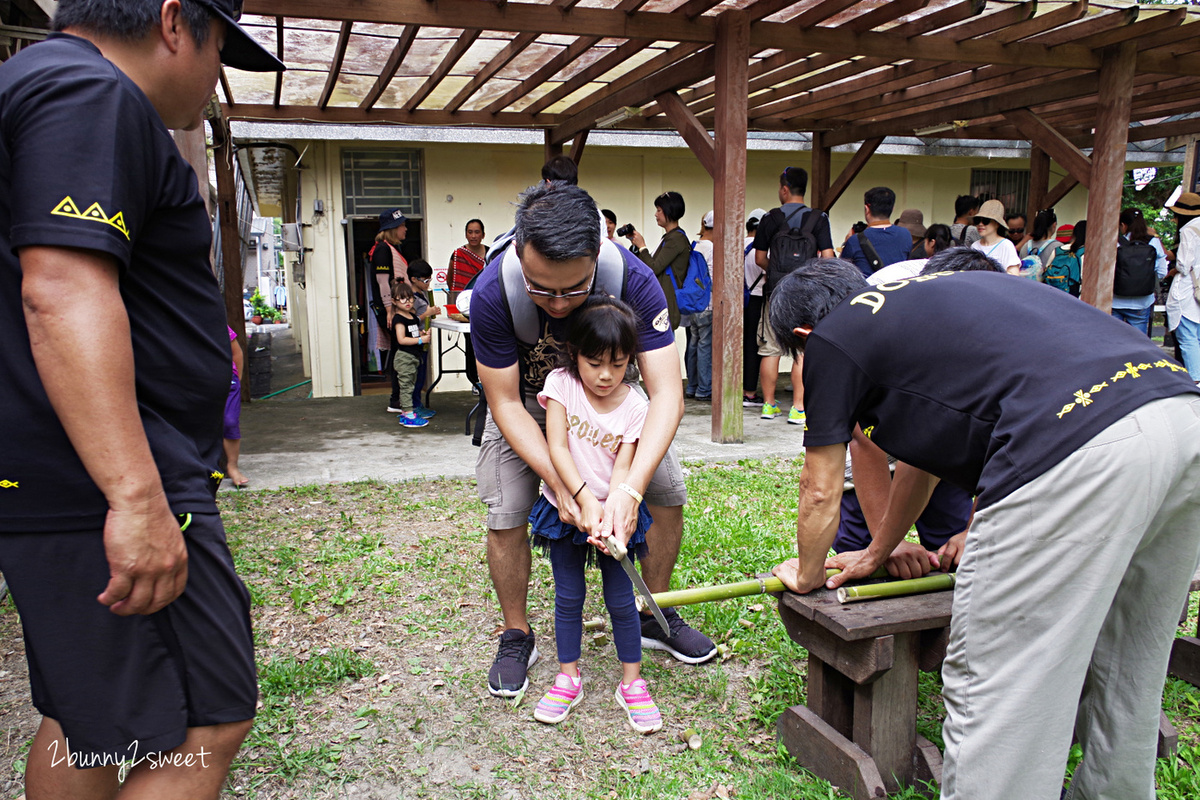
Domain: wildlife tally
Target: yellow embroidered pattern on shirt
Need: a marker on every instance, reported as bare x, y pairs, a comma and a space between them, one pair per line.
7, 484
1085, 397
68, 208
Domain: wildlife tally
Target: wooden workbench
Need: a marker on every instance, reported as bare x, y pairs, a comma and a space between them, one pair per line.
858, 729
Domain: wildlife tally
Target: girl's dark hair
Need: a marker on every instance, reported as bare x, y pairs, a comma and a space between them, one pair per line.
672, 205
602, 326
401, 290
1044, 225
941, 236
1080, 235
1135, 223
475, 220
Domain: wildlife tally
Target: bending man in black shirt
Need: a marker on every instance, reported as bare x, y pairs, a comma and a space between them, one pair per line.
1085, 535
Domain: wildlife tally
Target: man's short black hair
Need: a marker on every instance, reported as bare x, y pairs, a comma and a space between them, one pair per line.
807, 295
126, 20
561, 168
420, 269
1014, 215
672, 205
558, 220
881, 201
960, 259
609, 215
795, 179
965, 204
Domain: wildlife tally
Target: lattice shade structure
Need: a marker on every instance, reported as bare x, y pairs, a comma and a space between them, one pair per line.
854, 69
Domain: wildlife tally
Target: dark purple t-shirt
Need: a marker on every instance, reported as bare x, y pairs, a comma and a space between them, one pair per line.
496, 345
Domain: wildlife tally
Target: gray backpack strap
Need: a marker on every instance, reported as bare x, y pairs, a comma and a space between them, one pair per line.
611, 272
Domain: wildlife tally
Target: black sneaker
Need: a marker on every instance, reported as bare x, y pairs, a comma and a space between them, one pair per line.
518, 652
686, 643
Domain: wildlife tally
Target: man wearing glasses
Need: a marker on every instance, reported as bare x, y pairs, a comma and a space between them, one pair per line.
137, 628
559, 259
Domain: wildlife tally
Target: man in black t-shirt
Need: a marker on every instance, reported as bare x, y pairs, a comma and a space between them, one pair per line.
793, 183
1086, 532
112, 381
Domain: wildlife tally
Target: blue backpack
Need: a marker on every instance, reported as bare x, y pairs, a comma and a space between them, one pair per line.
1064, 271
695, 294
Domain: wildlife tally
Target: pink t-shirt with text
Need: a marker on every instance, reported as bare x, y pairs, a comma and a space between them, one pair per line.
593, 438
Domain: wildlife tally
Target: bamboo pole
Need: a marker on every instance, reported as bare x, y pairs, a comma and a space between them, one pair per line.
728, 591
876, 591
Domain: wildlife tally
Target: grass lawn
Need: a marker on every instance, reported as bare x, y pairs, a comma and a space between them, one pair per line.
375, 624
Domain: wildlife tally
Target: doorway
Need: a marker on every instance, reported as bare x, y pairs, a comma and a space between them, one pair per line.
368, 359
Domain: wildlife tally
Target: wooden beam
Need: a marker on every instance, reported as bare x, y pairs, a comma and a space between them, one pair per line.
1059, 191
996, 104
577, 145
783, 66
399, 51
850, 172
279, 55
691, 130
683, 73
1108, 173
729, 207
544, 73
822, 170
661, 26
226, 90
498, 62
1039, 183
457, 51
1053, 143
335, 67
390, 115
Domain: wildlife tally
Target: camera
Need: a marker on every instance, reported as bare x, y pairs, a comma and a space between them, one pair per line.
625, 230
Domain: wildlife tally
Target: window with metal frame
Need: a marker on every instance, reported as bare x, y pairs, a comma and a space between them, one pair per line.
1009, 186
376, 180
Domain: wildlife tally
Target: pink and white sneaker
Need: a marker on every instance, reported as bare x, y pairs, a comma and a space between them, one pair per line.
557, 703
639, 706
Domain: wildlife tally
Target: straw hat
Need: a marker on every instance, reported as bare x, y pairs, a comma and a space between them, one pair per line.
1188, 205
912, 220
993, 210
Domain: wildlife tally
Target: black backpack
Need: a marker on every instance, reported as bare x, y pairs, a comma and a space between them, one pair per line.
1134, 275
791, 248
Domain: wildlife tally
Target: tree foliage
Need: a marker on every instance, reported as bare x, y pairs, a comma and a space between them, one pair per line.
1152, 198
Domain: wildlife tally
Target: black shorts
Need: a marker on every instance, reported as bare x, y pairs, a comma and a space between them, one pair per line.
115, 683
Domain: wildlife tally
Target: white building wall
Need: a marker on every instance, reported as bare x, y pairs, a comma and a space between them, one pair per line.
465, 181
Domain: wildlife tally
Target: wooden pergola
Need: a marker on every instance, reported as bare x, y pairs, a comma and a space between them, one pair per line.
1069, 77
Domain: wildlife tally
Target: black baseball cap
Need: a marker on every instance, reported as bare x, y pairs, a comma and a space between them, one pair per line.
240, 50
392, 218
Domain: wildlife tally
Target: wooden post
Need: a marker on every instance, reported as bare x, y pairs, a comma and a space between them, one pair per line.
729, 204
1039, 183
194, 148
822, 170
231, 245
1191, 172
552, 149
1108, 173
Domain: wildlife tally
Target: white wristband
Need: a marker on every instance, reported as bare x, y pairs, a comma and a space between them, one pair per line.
629, 490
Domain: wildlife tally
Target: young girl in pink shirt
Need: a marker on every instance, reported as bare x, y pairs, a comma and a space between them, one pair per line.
594, 418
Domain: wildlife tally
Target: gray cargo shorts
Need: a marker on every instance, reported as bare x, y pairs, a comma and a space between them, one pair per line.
509, 487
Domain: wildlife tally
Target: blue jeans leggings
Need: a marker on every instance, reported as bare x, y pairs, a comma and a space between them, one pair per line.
570, 587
